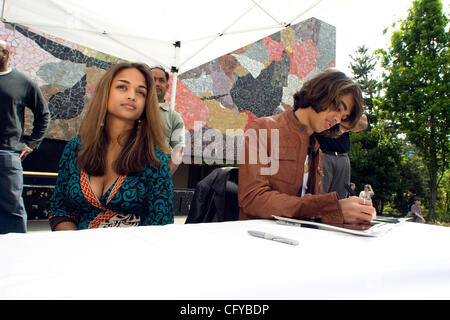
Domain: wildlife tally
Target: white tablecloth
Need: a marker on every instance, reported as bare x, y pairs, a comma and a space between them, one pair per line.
221, 261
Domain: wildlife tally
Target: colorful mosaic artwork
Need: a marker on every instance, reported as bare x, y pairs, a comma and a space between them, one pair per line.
224, 95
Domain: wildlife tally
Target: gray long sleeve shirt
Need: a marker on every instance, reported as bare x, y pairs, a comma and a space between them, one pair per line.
16, 93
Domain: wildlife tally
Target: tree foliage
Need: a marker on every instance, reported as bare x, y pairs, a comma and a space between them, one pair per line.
363, 66
416, 84
375, 152
375, 158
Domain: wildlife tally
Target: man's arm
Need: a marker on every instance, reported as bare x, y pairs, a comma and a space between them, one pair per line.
176, 158
417, 211
259, 199
177, 142
62, 216
37, 104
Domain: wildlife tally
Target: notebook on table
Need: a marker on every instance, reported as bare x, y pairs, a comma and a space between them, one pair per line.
374, 229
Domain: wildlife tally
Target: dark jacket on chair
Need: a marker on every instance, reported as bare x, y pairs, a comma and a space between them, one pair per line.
215, 197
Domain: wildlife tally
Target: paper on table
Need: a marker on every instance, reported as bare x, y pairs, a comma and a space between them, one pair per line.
376, 230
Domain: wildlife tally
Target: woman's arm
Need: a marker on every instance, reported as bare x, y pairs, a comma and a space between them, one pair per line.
60, 216
65, 225
417, 211
160, 194
371, 192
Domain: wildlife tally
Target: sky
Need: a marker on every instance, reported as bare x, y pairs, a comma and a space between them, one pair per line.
360, 22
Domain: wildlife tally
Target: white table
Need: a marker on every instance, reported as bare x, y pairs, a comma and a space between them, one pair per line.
221, 261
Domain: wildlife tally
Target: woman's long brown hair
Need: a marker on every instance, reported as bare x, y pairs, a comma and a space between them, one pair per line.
139, 148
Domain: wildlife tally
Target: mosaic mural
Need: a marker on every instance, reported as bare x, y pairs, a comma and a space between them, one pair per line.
217, 100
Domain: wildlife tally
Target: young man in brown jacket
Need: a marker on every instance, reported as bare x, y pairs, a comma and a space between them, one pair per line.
280, 170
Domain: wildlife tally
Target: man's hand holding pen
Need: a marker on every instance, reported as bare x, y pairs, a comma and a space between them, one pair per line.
356, 210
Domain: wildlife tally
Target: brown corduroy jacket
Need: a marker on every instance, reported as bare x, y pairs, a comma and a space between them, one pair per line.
270, 184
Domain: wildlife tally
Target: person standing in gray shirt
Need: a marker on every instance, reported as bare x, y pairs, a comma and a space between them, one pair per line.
173, 121
16, 93
336, 163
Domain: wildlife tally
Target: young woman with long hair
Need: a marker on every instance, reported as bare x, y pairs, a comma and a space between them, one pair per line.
115, 172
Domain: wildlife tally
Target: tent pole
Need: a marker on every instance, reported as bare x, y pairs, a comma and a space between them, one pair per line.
304, 11
3, 10
174, 88
267, 13
174, 70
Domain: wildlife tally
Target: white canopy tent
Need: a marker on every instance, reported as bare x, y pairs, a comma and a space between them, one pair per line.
177, 34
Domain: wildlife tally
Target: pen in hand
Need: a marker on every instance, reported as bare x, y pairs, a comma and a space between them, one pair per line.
269, 236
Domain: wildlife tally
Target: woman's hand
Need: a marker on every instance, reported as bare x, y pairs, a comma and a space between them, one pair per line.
357, 210
65, 225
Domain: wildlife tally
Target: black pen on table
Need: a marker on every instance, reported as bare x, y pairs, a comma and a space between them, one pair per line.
273, 237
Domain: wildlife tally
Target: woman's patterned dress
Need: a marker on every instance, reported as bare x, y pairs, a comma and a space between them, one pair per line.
138, 199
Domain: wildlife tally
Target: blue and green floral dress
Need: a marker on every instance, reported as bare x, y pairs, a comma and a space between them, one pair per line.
137, 199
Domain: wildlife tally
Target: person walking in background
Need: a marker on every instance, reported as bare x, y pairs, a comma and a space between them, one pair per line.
16, 93
172, 120
416, 211
412, 198
367, 193
352, 191
115, 173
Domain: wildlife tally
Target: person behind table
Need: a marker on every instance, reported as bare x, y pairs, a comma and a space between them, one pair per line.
411, 199
336, 163
173, 121
293, 189
353, 189
116, 172
16, 93
416, 211
367, 193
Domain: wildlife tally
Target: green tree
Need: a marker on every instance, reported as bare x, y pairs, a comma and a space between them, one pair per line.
375, 159
412, 173
363, 66
375, 152
417, 86
444, 193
